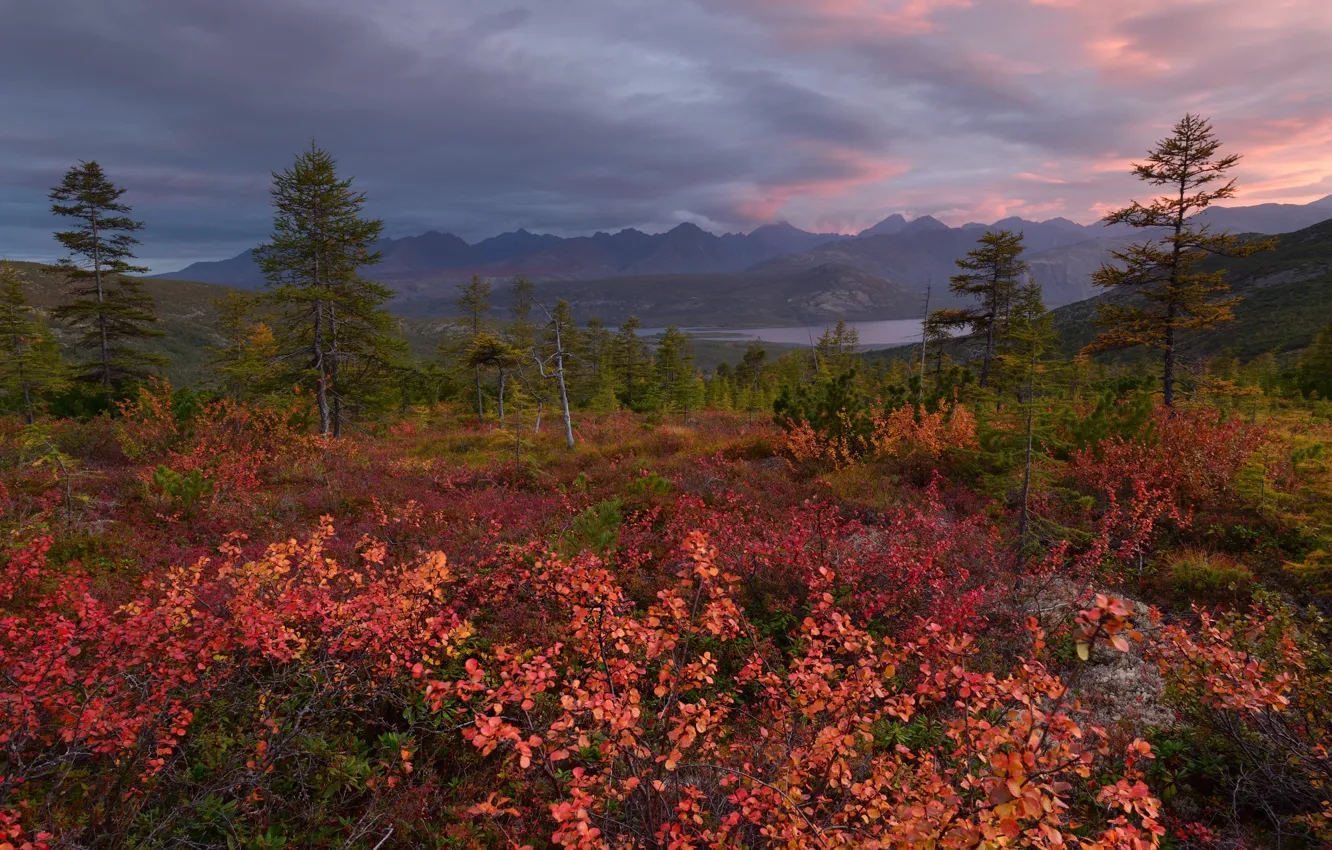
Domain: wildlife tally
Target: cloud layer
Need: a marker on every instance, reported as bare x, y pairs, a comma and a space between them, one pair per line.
571, 116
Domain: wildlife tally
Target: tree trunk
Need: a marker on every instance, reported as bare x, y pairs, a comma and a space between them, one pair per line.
564, 405
989, 352
1168, 361
101, 311
1026, 480
333, 369
502, 377
923, 326
321, 383
1168, 358
480, 403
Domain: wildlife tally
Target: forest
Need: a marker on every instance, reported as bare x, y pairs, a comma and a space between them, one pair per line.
549, 584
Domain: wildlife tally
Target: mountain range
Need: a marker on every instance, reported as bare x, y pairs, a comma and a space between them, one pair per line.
874, 270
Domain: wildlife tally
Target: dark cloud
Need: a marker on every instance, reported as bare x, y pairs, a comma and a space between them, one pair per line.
577, 115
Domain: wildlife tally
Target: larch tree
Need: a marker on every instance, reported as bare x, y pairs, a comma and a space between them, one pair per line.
30, 362
937, 333
836, 349
246, 366
991, 274
334, 329
109, 311
490, 351
1173, 294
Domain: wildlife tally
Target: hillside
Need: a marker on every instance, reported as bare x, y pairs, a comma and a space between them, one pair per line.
1062, 257
782, 297
1286, 299
185, 310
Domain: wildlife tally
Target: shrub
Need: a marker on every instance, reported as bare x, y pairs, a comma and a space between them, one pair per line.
182, 492
595, 530
1197, 574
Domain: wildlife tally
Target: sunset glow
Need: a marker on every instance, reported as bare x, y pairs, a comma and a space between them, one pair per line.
476, 118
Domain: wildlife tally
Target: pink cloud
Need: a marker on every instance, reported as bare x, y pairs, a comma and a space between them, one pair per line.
853, 170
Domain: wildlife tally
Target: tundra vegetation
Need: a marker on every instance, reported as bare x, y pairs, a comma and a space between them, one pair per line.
554, 586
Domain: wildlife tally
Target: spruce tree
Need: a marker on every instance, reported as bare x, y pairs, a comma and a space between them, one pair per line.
109, 311
334, 324
30, 361
597, 372
521, 336
473, 303
749, 378
1023, 363
1174, 295
992, 272
631, 359
673, 365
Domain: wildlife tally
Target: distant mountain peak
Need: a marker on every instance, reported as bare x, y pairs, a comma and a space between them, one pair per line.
892, 224
687, 227
1323, 202
925, 222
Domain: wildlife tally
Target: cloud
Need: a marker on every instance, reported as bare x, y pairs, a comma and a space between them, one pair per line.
571, 116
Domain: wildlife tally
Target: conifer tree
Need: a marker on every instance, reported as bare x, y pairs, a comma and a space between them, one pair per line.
473, 304
1023, 361
335, 328
992, 272
720, 389
491, 352
109, 310
673, 367
837, 347
598, 367
936, 331
521, 333
246, 366
1174, 295
30, 361
631, 359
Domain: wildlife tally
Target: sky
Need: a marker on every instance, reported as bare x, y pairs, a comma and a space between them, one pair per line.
572, 116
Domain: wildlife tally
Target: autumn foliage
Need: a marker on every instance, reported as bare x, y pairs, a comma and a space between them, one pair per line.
674, 639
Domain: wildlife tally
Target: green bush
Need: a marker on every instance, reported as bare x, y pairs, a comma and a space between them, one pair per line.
1205, 576
595, 530
182, 492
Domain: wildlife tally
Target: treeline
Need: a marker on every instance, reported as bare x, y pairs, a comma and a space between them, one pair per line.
321, 327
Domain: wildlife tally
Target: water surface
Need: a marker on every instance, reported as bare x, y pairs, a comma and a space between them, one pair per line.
883, 334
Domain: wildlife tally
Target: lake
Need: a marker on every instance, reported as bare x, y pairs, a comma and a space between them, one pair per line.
884, 334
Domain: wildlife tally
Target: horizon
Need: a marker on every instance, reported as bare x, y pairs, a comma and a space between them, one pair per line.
477, 120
